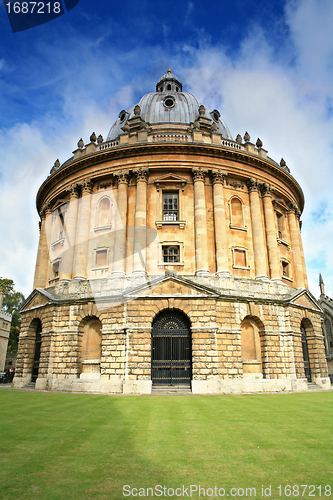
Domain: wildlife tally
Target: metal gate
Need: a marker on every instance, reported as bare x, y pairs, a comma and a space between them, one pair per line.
305, 355
171, 350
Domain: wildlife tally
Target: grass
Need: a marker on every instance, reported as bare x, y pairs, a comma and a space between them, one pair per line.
69, 446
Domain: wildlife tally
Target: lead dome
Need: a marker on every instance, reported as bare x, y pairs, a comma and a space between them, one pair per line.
170, 105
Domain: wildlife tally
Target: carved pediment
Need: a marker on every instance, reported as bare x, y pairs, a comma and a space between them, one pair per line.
36, 299
172, 286
170, 179
306, 299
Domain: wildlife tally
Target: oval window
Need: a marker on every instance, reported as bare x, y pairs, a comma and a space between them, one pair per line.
169, 101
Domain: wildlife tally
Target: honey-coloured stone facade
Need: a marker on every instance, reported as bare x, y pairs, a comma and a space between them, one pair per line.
170, 222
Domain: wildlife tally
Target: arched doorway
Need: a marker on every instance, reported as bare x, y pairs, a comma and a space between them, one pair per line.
306, 360
38, 343
171, 349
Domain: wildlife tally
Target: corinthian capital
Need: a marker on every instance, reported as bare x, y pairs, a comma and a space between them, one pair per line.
266, 189
294, 208
198, 174
218, 176
142, 174
73, 191
122, 177
87, 186
252, 184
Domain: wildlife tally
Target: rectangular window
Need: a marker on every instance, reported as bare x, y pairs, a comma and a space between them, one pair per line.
279, 224
170, 207
239, 258
285, 269
55, 267
101, 258
170, 253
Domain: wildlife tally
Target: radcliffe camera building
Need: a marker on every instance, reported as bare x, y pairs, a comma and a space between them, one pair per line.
170, 254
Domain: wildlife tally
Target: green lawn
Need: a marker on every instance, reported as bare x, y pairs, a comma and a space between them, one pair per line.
68, 446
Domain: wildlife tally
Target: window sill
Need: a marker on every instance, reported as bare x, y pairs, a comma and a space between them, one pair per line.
168, 264
251, 361
238, 227
240, 267
101, 228
180, 223
59, 242
54, 280
287, 278
283, 242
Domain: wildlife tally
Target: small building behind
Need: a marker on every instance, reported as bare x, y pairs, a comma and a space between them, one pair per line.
327, 306
5, 322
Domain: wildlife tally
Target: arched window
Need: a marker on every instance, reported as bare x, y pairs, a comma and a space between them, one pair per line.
252, 347
58, 223
236, 213
305, 349
104, 213
91, 347
329, 337
35, 331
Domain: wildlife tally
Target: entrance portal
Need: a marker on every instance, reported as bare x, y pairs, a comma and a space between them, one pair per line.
171, 349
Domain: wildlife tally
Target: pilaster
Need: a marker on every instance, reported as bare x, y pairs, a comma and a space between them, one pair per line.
257, 230
295, 245
81, 246
271, 234
201, 241
221, 240
119, 263
140, 229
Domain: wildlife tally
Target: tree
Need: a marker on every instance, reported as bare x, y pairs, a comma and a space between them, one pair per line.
12, 302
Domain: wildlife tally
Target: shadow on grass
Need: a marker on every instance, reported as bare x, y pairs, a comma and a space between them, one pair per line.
66, 446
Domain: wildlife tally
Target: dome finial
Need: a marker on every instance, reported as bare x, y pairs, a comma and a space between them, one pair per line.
169, 70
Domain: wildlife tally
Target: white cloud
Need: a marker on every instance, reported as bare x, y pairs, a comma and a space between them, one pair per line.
280, 94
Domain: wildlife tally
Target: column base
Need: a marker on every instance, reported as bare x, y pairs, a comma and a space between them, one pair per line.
222, 274
139, 272
202, 272
79, 277
117, 274
262, 277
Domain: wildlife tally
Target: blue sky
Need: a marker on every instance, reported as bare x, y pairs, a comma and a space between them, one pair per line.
267, 66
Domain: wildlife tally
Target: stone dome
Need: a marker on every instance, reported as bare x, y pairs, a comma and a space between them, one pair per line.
170, 105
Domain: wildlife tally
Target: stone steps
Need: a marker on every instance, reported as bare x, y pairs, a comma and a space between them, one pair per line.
30, 386
312, 386
171, 390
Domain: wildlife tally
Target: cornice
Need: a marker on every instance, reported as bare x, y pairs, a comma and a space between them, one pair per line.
72, 166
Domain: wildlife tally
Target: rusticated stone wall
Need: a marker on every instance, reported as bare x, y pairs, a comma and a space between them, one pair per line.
216, 328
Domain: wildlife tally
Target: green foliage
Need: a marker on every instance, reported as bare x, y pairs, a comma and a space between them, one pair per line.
12, 301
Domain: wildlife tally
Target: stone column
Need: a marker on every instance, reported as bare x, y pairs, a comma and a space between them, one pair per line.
43, 255
271, 234
82, 238
302, 251
201, 241
37, 282
119, 254
257, 230
295, 246
140, 224
221, 242
70, 222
